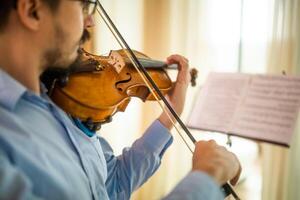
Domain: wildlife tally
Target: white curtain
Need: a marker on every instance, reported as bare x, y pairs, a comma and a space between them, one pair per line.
281, 166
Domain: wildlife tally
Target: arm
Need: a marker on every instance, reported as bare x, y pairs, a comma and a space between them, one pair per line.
130, 170
196, 185
13, 183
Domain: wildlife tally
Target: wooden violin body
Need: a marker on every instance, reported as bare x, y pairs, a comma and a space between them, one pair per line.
103, 85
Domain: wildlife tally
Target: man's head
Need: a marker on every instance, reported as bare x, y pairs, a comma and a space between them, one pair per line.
52, 29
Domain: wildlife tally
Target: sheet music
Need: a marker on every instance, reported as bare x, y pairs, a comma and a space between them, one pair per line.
262, 107
217, 101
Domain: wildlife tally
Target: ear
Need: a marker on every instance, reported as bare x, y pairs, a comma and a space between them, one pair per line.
29, 13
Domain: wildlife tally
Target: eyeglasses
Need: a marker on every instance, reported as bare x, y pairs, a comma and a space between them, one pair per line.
88, 6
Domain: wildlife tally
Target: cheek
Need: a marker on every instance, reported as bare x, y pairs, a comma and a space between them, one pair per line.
78, 24
73, 24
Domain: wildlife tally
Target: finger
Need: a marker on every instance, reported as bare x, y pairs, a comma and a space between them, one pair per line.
212, 142
236, 178
178, 59
183, 76
203, 142
222, 148
238, 174
234, 167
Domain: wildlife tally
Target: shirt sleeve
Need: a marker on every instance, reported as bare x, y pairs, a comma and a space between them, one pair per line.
13, 183
196, 186
130, 170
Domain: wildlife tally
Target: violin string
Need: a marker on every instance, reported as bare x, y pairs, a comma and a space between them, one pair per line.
146, 82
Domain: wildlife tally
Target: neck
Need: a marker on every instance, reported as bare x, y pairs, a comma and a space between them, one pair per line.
19, 60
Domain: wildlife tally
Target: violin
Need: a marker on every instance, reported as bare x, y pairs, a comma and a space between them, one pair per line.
97, 87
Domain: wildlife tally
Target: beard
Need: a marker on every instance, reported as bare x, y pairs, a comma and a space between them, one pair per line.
57, 63
56, 59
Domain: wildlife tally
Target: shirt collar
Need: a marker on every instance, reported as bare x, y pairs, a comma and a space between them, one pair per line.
10, 90
43, 90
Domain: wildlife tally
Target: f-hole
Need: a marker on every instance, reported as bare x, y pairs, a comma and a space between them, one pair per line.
123, 81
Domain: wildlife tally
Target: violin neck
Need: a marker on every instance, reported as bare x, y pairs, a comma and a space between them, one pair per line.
156, 64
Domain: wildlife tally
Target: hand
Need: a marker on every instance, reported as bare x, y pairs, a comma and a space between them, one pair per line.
176, 97
216, 161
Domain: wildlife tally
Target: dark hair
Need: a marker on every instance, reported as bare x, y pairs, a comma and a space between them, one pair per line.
6, 6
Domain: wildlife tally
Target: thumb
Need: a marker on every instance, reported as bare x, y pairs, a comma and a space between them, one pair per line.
237, 176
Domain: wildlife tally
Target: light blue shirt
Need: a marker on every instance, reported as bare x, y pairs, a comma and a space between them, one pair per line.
44, 155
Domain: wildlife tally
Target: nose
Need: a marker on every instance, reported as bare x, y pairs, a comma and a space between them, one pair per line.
89, 21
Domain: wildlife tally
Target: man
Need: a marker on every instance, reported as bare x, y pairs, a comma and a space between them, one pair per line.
43, 155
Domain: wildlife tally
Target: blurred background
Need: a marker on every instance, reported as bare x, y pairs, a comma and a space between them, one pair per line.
249, 36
